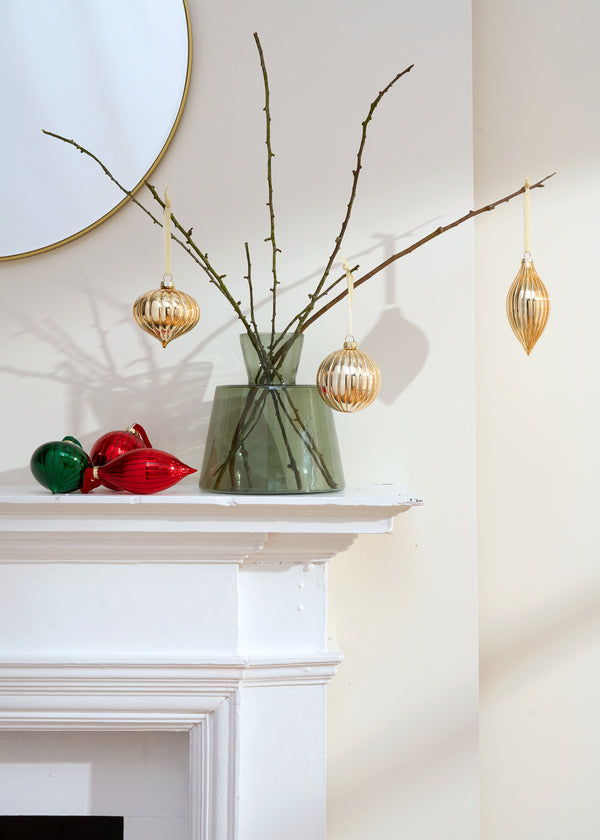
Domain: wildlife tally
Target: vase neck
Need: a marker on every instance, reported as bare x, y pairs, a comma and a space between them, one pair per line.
277, 363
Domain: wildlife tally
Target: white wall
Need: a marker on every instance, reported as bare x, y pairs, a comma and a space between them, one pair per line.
536, 68
403, 711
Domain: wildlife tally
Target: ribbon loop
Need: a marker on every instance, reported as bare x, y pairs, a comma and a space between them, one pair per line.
350, 281
167, 233
526, 213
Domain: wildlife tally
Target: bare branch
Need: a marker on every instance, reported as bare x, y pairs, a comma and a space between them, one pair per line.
188, 244
355, 177
270, 156
106, 172
250, 288
437, 232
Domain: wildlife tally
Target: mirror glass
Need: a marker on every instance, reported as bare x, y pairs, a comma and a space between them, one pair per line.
110, 74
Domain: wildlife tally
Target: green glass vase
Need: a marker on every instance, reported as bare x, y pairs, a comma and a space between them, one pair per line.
271, 435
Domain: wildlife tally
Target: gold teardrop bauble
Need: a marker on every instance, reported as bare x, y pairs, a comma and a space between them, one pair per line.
166, 313
527, 305
348, 379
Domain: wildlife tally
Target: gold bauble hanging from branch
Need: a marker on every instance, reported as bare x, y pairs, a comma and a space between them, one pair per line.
527, 305
348, 379
527, 302
166, 313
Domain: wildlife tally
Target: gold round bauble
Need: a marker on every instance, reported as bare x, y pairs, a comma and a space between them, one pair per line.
527, 305
166, 313
348, 379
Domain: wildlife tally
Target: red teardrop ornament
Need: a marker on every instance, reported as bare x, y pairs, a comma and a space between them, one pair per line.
112, 444
138, 471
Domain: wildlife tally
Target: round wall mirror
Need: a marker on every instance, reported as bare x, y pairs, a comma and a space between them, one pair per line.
110, 74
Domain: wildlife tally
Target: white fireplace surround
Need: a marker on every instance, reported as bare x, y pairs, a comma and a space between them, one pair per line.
185, 611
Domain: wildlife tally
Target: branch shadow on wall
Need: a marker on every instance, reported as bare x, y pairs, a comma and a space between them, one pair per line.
169, 401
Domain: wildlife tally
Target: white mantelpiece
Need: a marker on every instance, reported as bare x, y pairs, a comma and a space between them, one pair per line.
185, 611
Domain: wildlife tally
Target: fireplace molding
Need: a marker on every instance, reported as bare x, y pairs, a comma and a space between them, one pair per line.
40, 527
201, 614
142, 695
201, 698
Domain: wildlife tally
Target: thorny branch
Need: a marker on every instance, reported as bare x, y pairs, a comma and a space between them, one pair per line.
302, 316
270, 156
437, 232
250, 288
303, 319
187, 243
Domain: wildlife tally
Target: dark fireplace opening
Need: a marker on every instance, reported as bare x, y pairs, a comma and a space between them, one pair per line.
61, 828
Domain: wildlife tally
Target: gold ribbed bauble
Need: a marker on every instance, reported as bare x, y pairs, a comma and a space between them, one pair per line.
348, 379
166, 313
527, 305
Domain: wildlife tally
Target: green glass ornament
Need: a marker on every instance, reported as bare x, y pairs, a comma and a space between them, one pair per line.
60, 465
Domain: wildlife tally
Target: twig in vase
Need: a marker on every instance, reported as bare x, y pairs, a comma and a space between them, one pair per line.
250, 288
254, 403
249, 417
292, 464
301, 429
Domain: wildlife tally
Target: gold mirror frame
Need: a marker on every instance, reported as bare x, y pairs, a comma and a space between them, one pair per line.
117, 207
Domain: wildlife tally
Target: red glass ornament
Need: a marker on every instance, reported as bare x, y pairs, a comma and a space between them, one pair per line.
112, 444
138, 471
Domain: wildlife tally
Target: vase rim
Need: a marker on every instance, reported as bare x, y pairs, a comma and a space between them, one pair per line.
269, 333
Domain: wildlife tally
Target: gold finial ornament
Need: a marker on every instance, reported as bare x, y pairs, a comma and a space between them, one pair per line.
166, 313
527, 305
527, 302
348, 379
